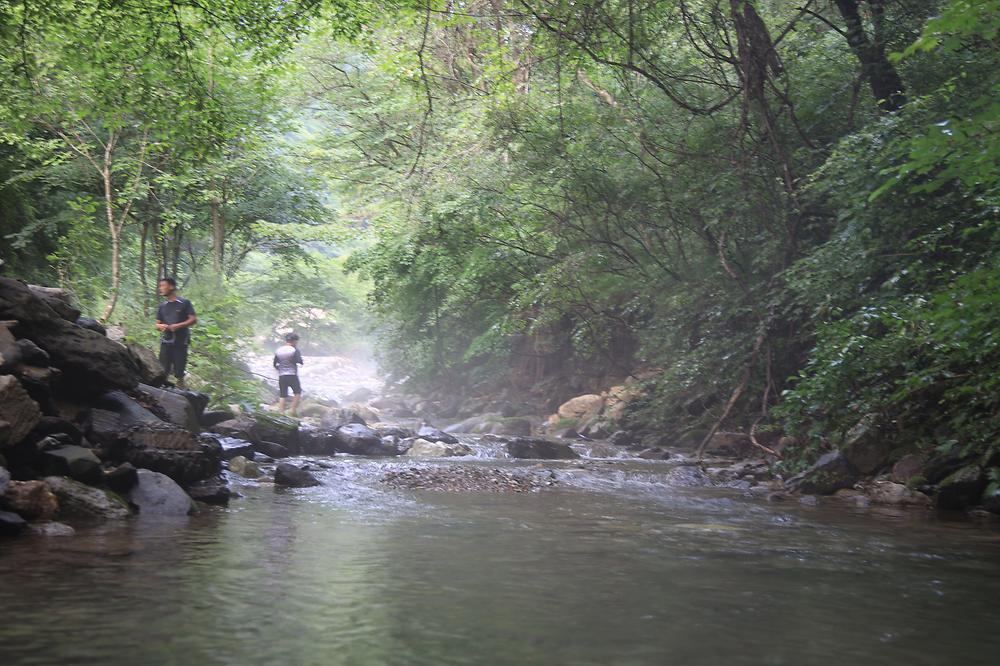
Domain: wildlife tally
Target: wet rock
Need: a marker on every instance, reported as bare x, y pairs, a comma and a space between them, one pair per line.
272, 449
687, 476
174, 405
561, 433
317, 442
387, 430
77, 500
51, 529
524, 447
213, 491
17, 410
432, 434
158, 495
337, 417
427, 449
462, 478
31, 499
361, 440
865, 448
232, 447
248, 469
11, 524
211, 418
827, 475
961, 489
173, 451
654, 453
621, 438
121, 478
896, 494
289, 475
907, 468
275, 428
146, 360
238, 428
91, 324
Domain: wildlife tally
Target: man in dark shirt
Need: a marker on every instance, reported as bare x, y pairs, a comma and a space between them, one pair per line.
173, 319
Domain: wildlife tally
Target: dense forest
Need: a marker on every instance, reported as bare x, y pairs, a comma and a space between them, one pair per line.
767, 217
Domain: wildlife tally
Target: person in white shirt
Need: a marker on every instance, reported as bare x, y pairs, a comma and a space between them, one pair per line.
287, 360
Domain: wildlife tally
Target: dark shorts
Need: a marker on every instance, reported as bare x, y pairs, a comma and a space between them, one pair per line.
173, 358
286, 382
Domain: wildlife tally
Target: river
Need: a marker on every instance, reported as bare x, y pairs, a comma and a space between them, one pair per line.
611, 565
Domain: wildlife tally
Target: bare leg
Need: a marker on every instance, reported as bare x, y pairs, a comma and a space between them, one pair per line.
295, 405
281, 405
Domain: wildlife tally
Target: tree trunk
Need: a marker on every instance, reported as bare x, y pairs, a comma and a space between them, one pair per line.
887, 87
218, 237
109, 210
142, 267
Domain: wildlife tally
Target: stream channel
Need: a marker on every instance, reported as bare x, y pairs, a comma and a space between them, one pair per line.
610, 565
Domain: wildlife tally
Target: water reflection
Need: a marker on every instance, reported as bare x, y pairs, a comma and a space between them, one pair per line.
351, 574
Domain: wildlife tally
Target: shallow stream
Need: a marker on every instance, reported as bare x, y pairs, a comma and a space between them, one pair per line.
611, 565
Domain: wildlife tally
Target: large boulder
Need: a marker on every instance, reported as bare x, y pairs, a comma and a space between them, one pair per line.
275, 428
896, 494
272, 449
174, 405
531, 447
31, 499
103, 427
317, 442
77, 500
582, 407
865, 447
60, 300
361, 440
289, 475
17, 410
232, 447
178, 453
89, 361
148, 363
432, 434
337, 416
421, 448
130, 412
826, 476
159, 495
962, 488
238, 428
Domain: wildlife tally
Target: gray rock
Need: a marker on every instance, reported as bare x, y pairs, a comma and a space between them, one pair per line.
32, 354
103, 427
4, 479
317, 442
827, 475
238, 428
51, 425
248, 469
209, 419
865, 448
130, 412
289, 475
74, 461
173, 451
361, 440
275, 428
907, 467
146, 360
11, 524
360, 395
91, 324
175, 406
526, 447
432, 434
211, 491
60, 300
77, 500
621, 438
17, 409
961, 489
52, 529
272, 449
896, 494
121, 478
158, 495
426, 449
688, 476
232, 447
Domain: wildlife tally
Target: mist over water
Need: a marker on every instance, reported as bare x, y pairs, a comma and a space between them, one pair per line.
323, 377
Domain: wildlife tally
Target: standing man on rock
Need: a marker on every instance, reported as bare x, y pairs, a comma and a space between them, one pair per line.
287, 360
173, 319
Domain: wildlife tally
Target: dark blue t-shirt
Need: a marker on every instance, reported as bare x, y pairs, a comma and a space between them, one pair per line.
174, 312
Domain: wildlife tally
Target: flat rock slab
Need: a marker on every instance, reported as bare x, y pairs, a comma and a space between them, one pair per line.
468, 479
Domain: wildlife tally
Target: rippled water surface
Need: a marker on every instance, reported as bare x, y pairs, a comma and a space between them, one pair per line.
611, 566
